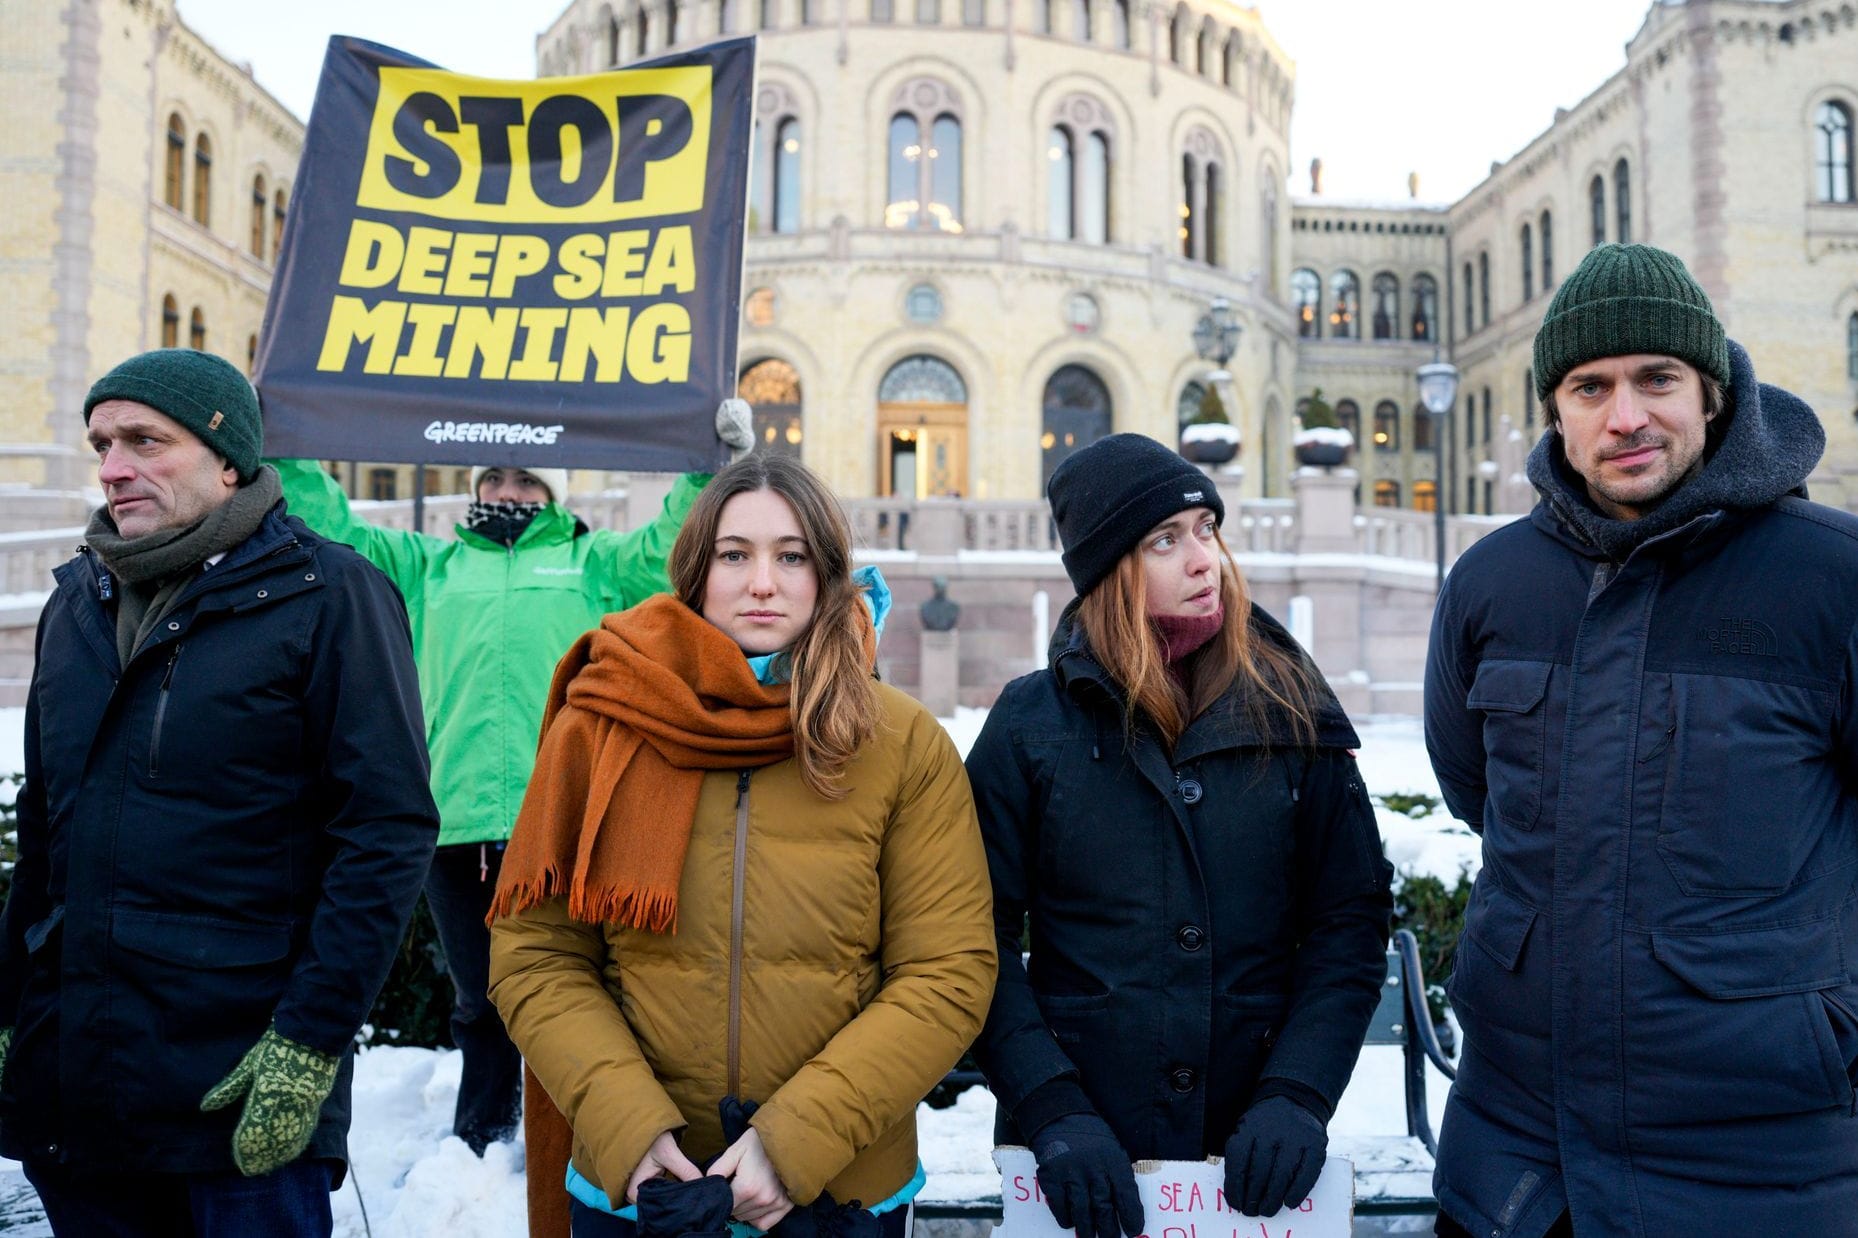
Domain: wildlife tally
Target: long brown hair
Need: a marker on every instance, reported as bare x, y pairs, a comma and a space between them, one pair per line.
1114, 616
834, 707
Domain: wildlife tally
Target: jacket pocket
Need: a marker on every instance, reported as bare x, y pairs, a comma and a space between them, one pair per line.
1489, 984
1074, 1018
1748, 794
1733, 1025
1512, 696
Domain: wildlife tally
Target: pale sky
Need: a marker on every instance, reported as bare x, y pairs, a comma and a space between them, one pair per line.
1384, 87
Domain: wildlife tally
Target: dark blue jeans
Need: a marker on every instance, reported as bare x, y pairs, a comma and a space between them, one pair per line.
292, 1202
459, 886
585, 1222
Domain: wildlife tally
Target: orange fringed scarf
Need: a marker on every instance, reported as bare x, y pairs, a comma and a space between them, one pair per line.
638, 710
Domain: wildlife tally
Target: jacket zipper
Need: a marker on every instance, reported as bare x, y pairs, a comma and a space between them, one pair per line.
161, 713
735, 935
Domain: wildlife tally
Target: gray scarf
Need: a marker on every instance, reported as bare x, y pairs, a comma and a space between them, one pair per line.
1771, 442
151, 570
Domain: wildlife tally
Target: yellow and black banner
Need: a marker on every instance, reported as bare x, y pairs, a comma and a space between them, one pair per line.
528, 272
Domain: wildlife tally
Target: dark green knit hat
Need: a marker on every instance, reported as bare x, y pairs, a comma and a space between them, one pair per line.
205, 393
1626, 299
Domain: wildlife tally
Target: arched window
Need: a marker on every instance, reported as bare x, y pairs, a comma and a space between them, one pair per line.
1548, 252
1177, 35
1832, 139
906, 158
1528, 400
1093, 190
770, 14
1119, 15
1596, 201
809, 12
170, 322
1215, 212
1080, 20
1425, 493
1189, 174
1851, 346
945, 175
787, 175
1203, 51
1192, 396
1386, 306
203, 179
1470, 303
279, 202
772, 390
922, 380
1528, 256
1229, 61
612, 33
1042, 16
1483, 288
196, 330
1425, 308
1386, 493
261, 202
1348, 417
1622, 202
1306, 295
1061, 222
1344, 306
176, 162
1424, 430
1387, 426
1075, 413
251, 353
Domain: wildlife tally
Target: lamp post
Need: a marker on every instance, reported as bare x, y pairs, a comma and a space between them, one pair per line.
1216, 339
1438, 390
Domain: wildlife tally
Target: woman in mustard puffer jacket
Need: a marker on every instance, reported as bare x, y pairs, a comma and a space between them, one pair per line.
744, 869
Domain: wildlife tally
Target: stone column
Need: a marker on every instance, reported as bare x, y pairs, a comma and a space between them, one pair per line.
940, 689
1326, 526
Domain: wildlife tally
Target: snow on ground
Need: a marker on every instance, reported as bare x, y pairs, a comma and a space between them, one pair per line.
417, 1181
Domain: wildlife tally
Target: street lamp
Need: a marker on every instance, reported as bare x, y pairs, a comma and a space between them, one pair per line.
1216, 335
1438, 390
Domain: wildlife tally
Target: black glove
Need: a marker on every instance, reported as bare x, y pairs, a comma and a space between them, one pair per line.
1275, 1156
696, 1209
1087, 1179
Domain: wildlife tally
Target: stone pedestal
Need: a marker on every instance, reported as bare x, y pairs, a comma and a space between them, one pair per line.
1325, 510
1326, 526
941, 673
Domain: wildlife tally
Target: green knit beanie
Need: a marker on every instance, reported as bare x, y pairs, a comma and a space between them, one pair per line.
1627, 299
205, 393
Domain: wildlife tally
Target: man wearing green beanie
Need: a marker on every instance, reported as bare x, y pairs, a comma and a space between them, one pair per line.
223, 827
1643, 698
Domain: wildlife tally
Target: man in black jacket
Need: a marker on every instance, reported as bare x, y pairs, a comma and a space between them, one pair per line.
1643, 698
223, 827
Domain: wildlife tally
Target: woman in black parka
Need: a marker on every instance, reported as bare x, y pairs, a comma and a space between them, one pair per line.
1173, 806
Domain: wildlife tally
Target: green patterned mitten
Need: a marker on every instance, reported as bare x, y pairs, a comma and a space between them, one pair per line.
284, 1085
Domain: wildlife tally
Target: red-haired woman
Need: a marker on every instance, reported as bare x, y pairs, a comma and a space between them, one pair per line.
1174, 806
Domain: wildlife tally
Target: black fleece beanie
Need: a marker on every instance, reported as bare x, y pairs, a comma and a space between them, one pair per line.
1112, 492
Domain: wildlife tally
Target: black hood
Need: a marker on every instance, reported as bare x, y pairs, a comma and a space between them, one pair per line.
1770, 442
1078, 670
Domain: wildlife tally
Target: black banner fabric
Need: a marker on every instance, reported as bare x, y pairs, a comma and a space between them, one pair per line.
527, 272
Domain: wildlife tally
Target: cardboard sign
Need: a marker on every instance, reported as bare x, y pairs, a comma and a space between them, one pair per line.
1183, 1199
512, 272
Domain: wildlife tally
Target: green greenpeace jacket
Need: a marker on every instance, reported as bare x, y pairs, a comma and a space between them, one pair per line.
489, 624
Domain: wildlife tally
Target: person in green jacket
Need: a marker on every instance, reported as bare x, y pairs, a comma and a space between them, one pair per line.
492, 612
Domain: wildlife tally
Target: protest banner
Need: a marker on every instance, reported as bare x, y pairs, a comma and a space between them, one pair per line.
1183, 1199
512, 272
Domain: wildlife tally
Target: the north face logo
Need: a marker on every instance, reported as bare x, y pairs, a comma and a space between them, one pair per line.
1749, 636
1192, 496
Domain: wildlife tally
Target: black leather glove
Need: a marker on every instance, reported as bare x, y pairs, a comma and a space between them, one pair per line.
1087, 1178
1275, 1156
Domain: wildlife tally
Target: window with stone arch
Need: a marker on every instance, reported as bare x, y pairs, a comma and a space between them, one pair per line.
280, 203
1527, 245
1230, 60
1483, 289
1204, 189
1546, 238
1177, 36
1832, 152
672, 24
922, 379
1119, 18
772, 389
1425, 324
203, 180
1077, 153
1203, 50
924, 168
1596, 202
1386, 493
609, 26
642, 29
1470, 303
1851, 347
1387, 426
1386, 318
196, 330
1348, 417
175, 163
1344, 306
170, 322
1306, 302
774, 160
1622, 202
1075, 412
1080, 20
1042, 16
261, 203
